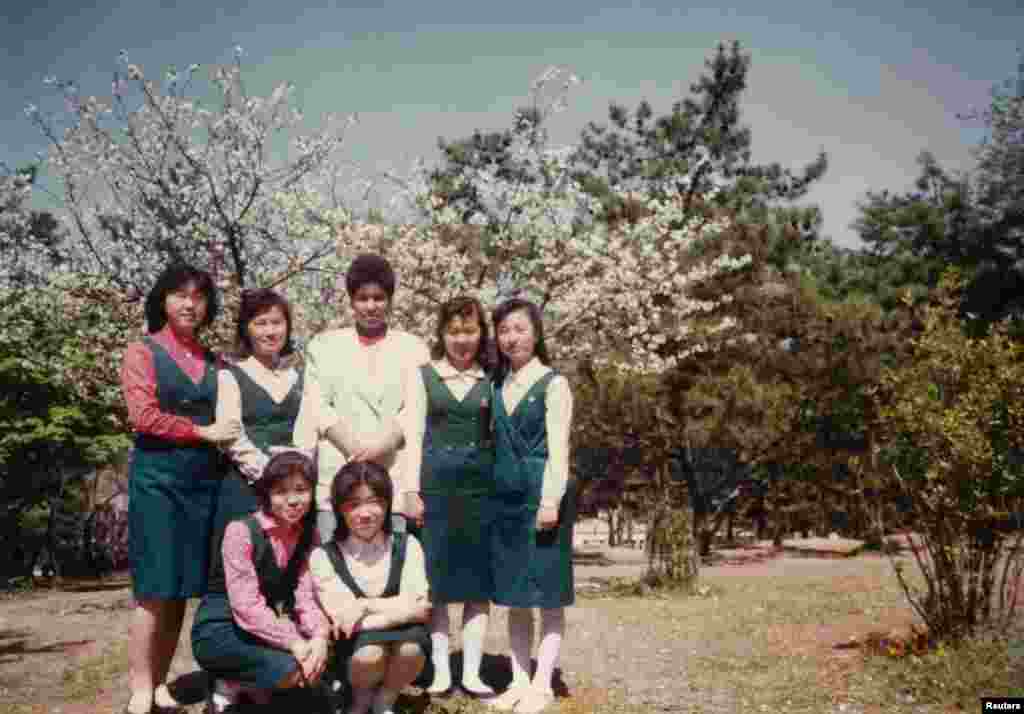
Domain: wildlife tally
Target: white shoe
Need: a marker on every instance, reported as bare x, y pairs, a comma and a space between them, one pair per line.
507, 700
535, 701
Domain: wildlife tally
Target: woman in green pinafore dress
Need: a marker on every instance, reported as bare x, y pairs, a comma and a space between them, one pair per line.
372, 583
449, 418
534, 502
265, 392
170, 388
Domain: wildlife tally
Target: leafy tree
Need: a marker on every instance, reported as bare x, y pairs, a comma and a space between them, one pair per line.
52, 434
700, 150
951, 424
151, 175
974, 222
30, 240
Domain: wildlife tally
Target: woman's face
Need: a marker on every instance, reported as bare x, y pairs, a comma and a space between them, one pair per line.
370, 305
185, 308
363, 513
516, 338
462, 340
290, 498
268, 333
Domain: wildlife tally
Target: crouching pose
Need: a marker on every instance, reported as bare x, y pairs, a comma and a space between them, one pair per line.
259, 627
372, 583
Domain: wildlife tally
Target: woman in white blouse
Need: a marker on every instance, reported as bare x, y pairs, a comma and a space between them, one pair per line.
361, 375
534, 504
449, 418
372, 583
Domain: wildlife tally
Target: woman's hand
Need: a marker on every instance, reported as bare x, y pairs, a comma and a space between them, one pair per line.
319, 655
302, 651
379, 453
345, 624
547, 518
220, 431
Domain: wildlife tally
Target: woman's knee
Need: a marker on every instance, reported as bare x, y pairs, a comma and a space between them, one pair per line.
409, 651
367, 665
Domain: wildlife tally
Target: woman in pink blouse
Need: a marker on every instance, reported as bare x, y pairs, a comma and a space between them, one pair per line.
265, 630
170, 386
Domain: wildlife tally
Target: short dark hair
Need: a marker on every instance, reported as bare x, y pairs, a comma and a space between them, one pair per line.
505, 309
350, 477
370, 268
282, 465
463, 306
255, 303
174, 277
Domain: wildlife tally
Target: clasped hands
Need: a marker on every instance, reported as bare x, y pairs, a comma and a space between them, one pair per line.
312, 656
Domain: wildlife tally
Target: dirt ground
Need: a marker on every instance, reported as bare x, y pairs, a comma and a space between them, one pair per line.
63, 651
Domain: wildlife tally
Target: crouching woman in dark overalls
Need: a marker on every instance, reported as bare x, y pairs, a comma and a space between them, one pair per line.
259, 628
372, 584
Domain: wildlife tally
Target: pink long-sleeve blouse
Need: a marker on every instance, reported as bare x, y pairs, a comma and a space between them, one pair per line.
248, 607
138, 383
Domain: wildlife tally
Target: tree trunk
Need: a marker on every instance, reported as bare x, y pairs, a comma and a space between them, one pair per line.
672, 548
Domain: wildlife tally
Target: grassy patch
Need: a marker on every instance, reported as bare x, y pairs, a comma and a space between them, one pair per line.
944, 677
89, 677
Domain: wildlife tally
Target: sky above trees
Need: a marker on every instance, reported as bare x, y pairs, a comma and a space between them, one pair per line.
872, 87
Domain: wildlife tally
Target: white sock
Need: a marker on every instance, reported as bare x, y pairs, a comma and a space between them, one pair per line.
520, 638
439, 627
474, 629
225, 693
552, 631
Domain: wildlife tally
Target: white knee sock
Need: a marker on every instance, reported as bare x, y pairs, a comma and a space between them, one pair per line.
439, 627
552, 630
474, 629
520, 638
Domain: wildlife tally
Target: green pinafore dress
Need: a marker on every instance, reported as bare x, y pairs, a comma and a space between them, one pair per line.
414, 632
267, 423
457, 483
172, 490
224, 649
529, 568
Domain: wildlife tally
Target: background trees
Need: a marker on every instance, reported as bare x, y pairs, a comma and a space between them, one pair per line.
154, 174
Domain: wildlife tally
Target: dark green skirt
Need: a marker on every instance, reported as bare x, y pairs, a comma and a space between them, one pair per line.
225, 650
532, 568
235, 500
345, 649
172, 496
456, 525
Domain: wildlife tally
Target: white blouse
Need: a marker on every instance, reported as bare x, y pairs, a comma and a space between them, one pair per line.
277, 383
363, 386
370, 566
557, 419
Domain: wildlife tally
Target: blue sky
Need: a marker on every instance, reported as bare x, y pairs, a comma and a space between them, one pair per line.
872, 86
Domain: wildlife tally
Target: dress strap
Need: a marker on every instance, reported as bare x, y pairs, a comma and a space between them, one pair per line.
337, 559
399, 541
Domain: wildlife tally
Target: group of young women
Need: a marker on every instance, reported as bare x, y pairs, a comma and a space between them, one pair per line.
328, 515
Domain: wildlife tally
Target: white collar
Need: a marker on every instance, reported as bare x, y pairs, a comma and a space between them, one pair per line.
363, 551
528, 373
446, 370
